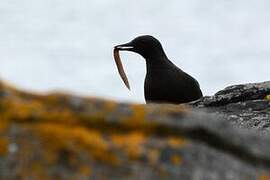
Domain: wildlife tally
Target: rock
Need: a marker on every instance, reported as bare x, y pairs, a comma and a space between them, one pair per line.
60, 136
245, 105
237, 93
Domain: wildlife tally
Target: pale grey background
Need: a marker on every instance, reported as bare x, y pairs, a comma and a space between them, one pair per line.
67, 45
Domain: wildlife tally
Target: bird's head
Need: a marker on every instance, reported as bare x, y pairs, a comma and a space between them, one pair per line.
147, 46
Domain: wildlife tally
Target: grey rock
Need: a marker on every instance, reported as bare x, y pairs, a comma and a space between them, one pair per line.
243, 105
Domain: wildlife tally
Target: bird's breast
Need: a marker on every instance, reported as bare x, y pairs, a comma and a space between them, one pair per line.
156, 85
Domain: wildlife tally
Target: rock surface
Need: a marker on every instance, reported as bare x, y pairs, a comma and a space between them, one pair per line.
60, 136
243, 105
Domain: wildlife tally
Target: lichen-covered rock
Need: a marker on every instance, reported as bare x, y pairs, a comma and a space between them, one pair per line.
60, 136
246, 105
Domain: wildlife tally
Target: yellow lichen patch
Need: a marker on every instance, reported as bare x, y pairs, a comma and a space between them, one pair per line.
264, 177
137, 118
130, 143
37, 172
176, 160
86, 170
59, 138
3, 125
138, 112
110, 105
267, 97
3, 146
153, 156
24, 107
176, 142
25, 110
63, 116
21, 110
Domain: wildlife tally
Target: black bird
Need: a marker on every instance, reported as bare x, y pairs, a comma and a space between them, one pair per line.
164, 81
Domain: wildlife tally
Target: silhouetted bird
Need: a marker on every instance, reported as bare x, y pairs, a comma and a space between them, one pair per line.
164, 82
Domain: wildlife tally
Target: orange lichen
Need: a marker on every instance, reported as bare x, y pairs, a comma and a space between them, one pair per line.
136, 119
130, 143
23, 107
110, 106
86, 170
3, 146
37, 172
3, 125
78, 133
22, 110
153, 156
176, 142
264, 177
61, 137
176, 160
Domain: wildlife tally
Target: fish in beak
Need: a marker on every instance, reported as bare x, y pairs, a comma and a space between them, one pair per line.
121, 71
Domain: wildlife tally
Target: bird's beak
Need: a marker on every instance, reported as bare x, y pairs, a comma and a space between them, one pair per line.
124, 47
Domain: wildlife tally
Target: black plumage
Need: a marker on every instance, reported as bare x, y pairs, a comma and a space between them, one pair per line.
164, 81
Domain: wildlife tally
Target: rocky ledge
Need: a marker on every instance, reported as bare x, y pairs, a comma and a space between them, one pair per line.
62, 136
245, 105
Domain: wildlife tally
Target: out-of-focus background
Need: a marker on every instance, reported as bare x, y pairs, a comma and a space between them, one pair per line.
67, 45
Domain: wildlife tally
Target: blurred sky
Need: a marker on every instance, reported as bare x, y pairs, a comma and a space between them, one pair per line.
67, 45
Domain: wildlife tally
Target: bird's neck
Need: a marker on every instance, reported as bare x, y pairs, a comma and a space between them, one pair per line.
157, 61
